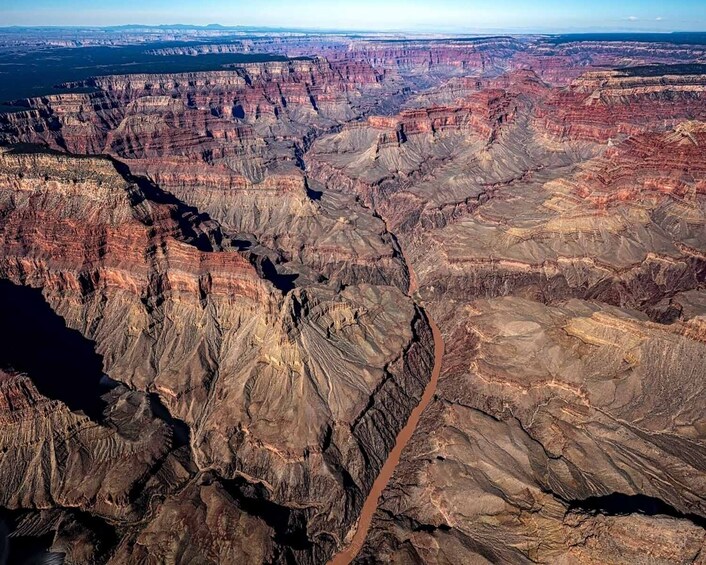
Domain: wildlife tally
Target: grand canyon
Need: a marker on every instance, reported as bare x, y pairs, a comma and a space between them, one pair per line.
349, 298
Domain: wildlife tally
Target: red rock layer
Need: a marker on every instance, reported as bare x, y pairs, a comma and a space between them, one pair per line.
209, 116
481, 114
116, 245
602, 105
648, 165
229, 143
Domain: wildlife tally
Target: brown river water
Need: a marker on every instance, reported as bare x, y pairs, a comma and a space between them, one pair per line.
346, 555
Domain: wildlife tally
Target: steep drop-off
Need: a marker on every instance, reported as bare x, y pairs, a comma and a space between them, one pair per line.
220, 294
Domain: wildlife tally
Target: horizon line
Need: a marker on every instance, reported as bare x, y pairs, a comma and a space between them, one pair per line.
414, 31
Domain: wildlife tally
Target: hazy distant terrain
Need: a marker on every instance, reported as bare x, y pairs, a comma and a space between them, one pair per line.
25, 74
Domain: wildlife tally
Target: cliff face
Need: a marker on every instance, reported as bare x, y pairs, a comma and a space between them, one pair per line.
45, 445
177, 315
542, 415
603, 105
219, 289
213, 116
229, 143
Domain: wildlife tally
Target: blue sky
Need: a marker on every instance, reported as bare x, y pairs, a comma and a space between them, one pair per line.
412, 15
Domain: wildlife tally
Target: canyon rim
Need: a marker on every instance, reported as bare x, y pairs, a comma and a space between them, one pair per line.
285, 295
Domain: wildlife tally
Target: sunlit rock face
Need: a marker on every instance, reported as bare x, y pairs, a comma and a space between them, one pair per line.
560, 434
217, 292
174, 314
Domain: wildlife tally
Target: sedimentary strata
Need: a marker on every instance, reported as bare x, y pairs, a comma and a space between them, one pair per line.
219, 291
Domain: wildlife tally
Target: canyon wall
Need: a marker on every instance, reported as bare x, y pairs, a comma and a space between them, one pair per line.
220, 288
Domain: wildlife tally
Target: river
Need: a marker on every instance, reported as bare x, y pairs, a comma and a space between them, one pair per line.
345, 556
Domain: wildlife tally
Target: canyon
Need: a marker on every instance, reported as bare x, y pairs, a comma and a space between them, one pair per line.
373, 300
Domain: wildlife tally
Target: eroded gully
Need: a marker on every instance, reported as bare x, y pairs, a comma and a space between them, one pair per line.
355, 543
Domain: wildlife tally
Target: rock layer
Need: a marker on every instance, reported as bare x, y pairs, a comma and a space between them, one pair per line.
219, 290
175, 314
544, 445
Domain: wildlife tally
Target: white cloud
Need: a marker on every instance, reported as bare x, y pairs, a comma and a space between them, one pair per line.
632, 18
659, 18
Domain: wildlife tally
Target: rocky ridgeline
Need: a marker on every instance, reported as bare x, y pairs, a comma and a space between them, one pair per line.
231, 276
604, 105
141, 276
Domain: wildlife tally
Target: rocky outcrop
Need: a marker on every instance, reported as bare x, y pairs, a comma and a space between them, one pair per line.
213, 116
543, 445
204, 519
180, 317
45, 447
